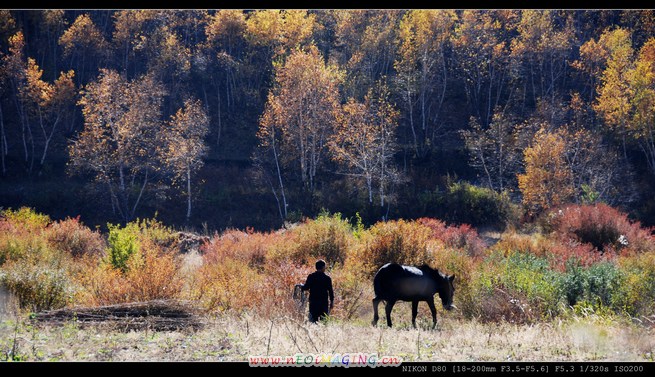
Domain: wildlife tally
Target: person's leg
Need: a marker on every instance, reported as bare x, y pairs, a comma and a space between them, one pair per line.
323, 312
315, 312
318, 311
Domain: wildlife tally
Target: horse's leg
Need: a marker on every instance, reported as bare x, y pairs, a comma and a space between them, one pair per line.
414, 312
388, 308
434, 312
376, 302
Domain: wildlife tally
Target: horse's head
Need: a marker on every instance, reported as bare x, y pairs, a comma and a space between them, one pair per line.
445, 288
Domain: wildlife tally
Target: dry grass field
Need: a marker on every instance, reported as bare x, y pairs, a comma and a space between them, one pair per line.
235, 337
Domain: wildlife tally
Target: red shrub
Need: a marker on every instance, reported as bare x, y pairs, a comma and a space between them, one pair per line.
584, 254
72, 237
463, 236
604, 227
556, 250
247, 247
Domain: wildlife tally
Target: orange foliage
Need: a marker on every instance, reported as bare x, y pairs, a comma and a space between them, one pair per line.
153, 273
547, 181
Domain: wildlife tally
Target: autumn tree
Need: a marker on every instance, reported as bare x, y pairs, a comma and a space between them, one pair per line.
494, 151
280, 31
365, 46
84, 44
129, 37
482, 56
641, 92
613, 102
301, 111
591, 63
541, 51
224, 48
364, 142
48, 103
120, 141
185, 144
422, 72
14, 67
547, 181
626, 95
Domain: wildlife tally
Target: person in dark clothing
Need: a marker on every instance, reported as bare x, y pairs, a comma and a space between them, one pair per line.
320, 290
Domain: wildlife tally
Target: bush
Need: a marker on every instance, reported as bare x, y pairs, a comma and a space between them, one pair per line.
461, 237
602, 226
463, 203
153, 273
559, 253
150, 273
395, 241
26, 218
37, 286
457, 262
248, 247
353, 290
21, 234
518, 287
70, 236
125, 242
635, 293
595, 285
327, 237
230, 284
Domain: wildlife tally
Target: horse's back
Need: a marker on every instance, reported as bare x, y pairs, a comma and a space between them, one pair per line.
393, 281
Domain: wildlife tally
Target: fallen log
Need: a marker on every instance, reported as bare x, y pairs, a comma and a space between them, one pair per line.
157, 315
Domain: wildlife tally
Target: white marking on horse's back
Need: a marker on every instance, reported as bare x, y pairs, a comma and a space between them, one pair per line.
413, 270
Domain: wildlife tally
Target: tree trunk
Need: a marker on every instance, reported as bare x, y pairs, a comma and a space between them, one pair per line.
411, 117
138, 199
188, 190
48, 138
3, 142
279, 176
218, 133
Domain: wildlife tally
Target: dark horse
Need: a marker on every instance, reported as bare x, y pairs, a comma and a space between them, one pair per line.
394, 282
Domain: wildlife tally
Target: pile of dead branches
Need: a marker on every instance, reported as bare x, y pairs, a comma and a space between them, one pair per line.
157, 315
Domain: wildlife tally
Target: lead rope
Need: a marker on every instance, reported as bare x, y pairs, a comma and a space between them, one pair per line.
299, 297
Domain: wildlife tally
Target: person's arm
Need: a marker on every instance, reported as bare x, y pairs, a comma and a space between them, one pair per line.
308, 284
331, 293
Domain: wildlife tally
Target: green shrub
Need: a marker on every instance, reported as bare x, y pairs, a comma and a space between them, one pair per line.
464, 203
126, 241
594, 287
530, 275
603, 280
519, 287
572, 283
123, 243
